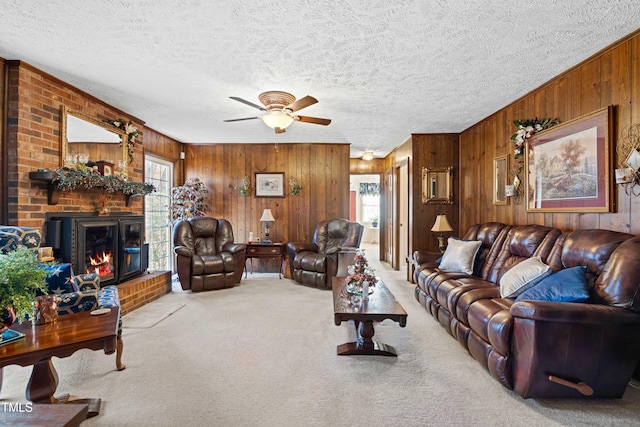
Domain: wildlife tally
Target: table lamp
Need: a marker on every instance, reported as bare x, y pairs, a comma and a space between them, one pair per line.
441, 225
266, 217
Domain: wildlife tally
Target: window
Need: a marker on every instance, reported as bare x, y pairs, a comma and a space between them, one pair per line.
370, 207
158, 226
370, 193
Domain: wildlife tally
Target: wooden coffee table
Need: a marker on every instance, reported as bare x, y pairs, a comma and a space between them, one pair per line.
381, 305
69, 334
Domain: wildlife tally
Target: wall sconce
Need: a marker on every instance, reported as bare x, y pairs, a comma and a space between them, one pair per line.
441, 225
367, 155
294, 187
267, 216
245, 186
514, 190
628, 172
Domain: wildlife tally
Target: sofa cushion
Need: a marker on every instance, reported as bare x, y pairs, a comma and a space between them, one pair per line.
60, 279
460, 255
8, 242
28, 237
523, 276
567, 285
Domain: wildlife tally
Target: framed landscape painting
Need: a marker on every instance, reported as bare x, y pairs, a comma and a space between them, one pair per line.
568, 167
270, 184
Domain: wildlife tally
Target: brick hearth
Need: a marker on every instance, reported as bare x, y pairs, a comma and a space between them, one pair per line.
137, 292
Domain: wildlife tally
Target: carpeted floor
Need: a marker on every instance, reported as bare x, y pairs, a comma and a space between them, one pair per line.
264, 354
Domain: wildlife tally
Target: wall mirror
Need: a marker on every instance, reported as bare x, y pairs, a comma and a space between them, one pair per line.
81, 135
437, 185
500, 179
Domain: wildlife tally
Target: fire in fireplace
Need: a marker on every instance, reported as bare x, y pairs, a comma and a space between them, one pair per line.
111, 246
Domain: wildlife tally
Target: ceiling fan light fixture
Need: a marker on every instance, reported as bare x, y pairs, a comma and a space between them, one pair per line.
277, 119
367, 155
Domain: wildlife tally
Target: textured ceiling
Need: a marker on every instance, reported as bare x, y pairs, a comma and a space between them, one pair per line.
381, 69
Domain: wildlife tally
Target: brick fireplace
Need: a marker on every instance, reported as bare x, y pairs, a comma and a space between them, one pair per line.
110, 245
33, 141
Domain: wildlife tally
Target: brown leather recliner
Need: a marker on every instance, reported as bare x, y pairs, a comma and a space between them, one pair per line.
316, 263
207, 256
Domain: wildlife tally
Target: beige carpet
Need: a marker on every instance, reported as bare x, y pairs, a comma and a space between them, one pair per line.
151, 314
264, 354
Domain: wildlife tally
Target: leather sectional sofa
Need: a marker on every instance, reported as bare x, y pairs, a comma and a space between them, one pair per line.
543, 345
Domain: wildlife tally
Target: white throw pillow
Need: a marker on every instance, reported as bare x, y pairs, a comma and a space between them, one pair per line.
460, 255
523, 276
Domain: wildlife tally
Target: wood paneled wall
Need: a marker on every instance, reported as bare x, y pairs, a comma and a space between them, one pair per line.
611, 77
321, 169
421, 150
167, 149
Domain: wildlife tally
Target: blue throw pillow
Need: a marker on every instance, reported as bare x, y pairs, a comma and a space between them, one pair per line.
567, 285
60, 279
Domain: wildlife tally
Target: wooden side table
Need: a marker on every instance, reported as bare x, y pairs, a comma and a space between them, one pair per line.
265, 250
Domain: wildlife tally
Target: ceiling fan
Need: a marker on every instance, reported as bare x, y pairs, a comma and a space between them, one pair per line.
279, 107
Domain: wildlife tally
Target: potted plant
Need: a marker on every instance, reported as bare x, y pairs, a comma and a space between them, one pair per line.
21, 277
188, 201
374, 221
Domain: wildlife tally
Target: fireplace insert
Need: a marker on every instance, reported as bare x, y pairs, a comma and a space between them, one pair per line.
112, 246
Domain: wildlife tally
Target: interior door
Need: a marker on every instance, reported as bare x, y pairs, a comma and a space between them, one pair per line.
403, 215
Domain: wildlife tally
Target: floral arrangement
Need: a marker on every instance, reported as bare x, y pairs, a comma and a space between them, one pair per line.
245, 186
360, 272
187, 201
130, 130
294, 187
69, 179
526, 129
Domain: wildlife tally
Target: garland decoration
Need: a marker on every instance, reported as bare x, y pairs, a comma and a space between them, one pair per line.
526, 129
69, 179
130, 130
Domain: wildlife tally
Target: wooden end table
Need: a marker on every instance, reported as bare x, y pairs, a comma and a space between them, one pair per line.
265, 250
69, 334
381, 305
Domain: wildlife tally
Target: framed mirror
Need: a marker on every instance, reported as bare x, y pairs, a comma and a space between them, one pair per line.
437, 185
500, 179
83, 138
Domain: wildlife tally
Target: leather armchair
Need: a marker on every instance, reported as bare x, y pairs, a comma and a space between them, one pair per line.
207, 256
316, 263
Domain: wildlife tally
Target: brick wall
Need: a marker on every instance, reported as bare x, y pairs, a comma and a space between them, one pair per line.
33, 142
137, 292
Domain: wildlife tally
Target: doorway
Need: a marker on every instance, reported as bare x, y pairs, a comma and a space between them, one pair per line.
400, 226
365, 209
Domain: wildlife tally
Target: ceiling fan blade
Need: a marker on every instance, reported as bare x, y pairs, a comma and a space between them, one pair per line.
280, 130
301, 103
239, 120
250, 104
315, 120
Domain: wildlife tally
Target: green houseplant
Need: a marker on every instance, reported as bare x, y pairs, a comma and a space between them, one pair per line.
21, 277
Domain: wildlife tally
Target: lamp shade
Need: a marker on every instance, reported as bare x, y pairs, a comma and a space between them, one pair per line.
267, 215
442, 224
277, 119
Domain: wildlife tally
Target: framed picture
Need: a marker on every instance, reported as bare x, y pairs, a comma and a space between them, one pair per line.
500, 180
270, 184
568, 167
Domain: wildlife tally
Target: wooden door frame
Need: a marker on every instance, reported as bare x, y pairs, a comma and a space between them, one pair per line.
382, 211
396, 261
